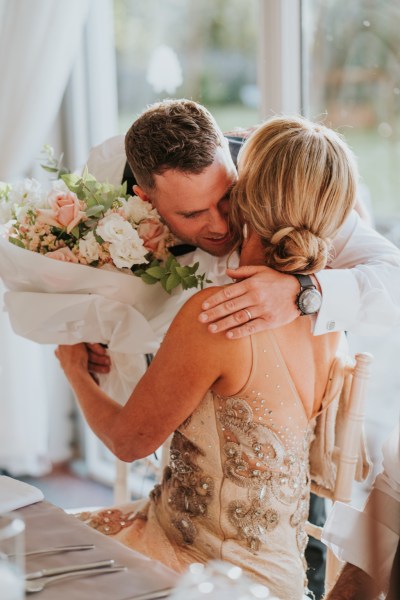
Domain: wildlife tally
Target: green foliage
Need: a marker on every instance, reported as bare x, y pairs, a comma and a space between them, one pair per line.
5, 189
99, 198
171, 274
16, 242
50, 163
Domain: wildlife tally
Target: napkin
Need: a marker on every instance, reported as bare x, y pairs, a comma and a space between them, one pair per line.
16, 494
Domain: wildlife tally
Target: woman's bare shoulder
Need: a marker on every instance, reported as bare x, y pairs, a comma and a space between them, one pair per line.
193, 307
188, 316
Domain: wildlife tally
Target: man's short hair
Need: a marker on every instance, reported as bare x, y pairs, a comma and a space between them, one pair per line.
174, 134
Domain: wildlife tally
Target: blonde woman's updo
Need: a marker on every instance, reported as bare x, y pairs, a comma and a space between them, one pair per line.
297, 184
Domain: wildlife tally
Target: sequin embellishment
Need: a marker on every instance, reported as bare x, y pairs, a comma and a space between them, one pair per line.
110, 521
189, 489
258, 460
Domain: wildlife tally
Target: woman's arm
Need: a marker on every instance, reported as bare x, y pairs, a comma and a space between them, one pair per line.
189, 362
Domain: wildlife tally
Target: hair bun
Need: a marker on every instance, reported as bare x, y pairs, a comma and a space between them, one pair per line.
293, 250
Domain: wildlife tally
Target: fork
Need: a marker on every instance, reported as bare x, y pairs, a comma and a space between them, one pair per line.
37, 585
69, 569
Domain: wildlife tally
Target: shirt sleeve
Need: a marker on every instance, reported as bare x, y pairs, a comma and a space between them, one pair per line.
361, 287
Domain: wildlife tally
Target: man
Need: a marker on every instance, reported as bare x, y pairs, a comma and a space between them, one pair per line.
360, 291
182, 165
369, 540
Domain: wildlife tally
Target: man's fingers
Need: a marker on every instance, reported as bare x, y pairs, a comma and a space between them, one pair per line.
241, 317
249, 328
224, 297
229, 314
244, 272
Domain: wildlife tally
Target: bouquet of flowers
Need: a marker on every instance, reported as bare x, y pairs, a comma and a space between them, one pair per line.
106, 248
83, 221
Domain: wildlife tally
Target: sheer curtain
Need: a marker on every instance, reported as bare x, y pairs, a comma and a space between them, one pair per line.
38, 45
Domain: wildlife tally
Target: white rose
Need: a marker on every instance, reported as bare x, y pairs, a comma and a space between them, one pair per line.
128, 252
136, 209
114, 228
89, 248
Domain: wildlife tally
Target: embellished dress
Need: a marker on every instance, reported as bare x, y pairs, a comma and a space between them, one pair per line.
237, 485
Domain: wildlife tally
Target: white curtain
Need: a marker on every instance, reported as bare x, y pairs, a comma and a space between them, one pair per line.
38, 44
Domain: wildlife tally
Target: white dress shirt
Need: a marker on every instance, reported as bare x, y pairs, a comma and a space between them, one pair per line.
360, 290
368, 539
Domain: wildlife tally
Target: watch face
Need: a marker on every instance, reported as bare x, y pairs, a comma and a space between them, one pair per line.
309, 301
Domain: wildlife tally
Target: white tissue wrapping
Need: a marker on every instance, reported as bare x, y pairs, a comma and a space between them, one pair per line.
54, 302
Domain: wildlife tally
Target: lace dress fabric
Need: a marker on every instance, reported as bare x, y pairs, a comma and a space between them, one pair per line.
237, 485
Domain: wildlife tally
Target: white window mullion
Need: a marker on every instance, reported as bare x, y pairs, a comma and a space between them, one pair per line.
279, 68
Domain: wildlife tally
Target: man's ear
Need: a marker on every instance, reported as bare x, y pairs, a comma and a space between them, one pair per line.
138, 191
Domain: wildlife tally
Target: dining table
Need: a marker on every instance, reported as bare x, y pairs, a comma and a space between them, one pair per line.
47, 525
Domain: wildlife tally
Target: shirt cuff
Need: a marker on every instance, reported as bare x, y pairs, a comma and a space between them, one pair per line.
340, 301
360, 540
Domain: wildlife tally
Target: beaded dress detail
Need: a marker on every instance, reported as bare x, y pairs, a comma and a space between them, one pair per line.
237, 485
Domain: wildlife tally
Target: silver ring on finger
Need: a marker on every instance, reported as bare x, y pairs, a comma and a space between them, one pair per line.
248, 313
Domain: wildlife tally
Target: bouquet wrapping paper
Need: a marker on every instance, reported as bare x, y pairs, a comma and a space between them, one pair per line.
54, 302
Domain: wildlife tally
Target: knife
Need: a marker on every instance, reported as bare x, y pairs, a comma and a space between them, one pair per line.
68, 569
58, 549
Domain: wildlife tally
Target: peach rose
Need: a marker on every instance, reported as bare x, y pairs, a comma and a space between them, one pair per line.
154, 234
63, 254
65, 211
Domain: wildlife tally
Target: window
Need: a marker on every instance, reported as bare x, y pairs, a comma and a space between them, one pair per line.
351, 78
206, 51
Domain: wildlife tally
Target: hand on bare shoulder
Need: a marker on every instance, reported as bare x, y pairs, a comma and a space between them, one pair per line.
263, 298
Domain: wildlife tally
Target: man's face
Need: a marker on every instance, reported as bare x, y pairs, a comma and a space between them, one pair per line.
195, 207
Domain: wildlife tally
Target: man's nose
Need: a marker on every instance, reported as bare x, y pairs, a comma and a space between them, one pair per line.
218, 222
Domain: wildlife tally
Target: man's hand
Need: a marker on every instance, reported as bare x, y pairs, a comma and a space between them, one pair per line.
98, 361
263, 299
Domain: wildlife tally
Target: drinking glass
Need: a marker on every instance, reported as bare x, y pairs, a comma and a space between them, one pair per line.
12, 531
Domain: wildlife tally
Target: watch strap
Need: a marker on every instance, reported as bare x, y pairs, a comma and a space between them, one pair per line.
305, 281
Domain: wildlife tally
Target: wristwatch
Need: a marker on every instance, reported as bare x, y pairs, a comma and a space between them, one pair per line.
309, 299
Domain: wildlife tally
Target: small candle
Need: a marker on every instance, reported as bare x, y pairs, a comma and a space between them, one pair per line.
11, 583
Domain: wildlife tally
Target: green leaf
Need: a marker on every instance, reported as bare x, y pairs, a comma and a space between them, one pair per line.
16, 242
95, 210
49, 169
170, 261
148, 279
75, 232
191, 281
193, 268
182, 271
156, 272
70, 179
172, 282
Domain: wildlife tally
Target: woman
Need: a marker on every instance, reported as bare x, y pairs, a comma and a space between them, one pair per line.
237, 486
